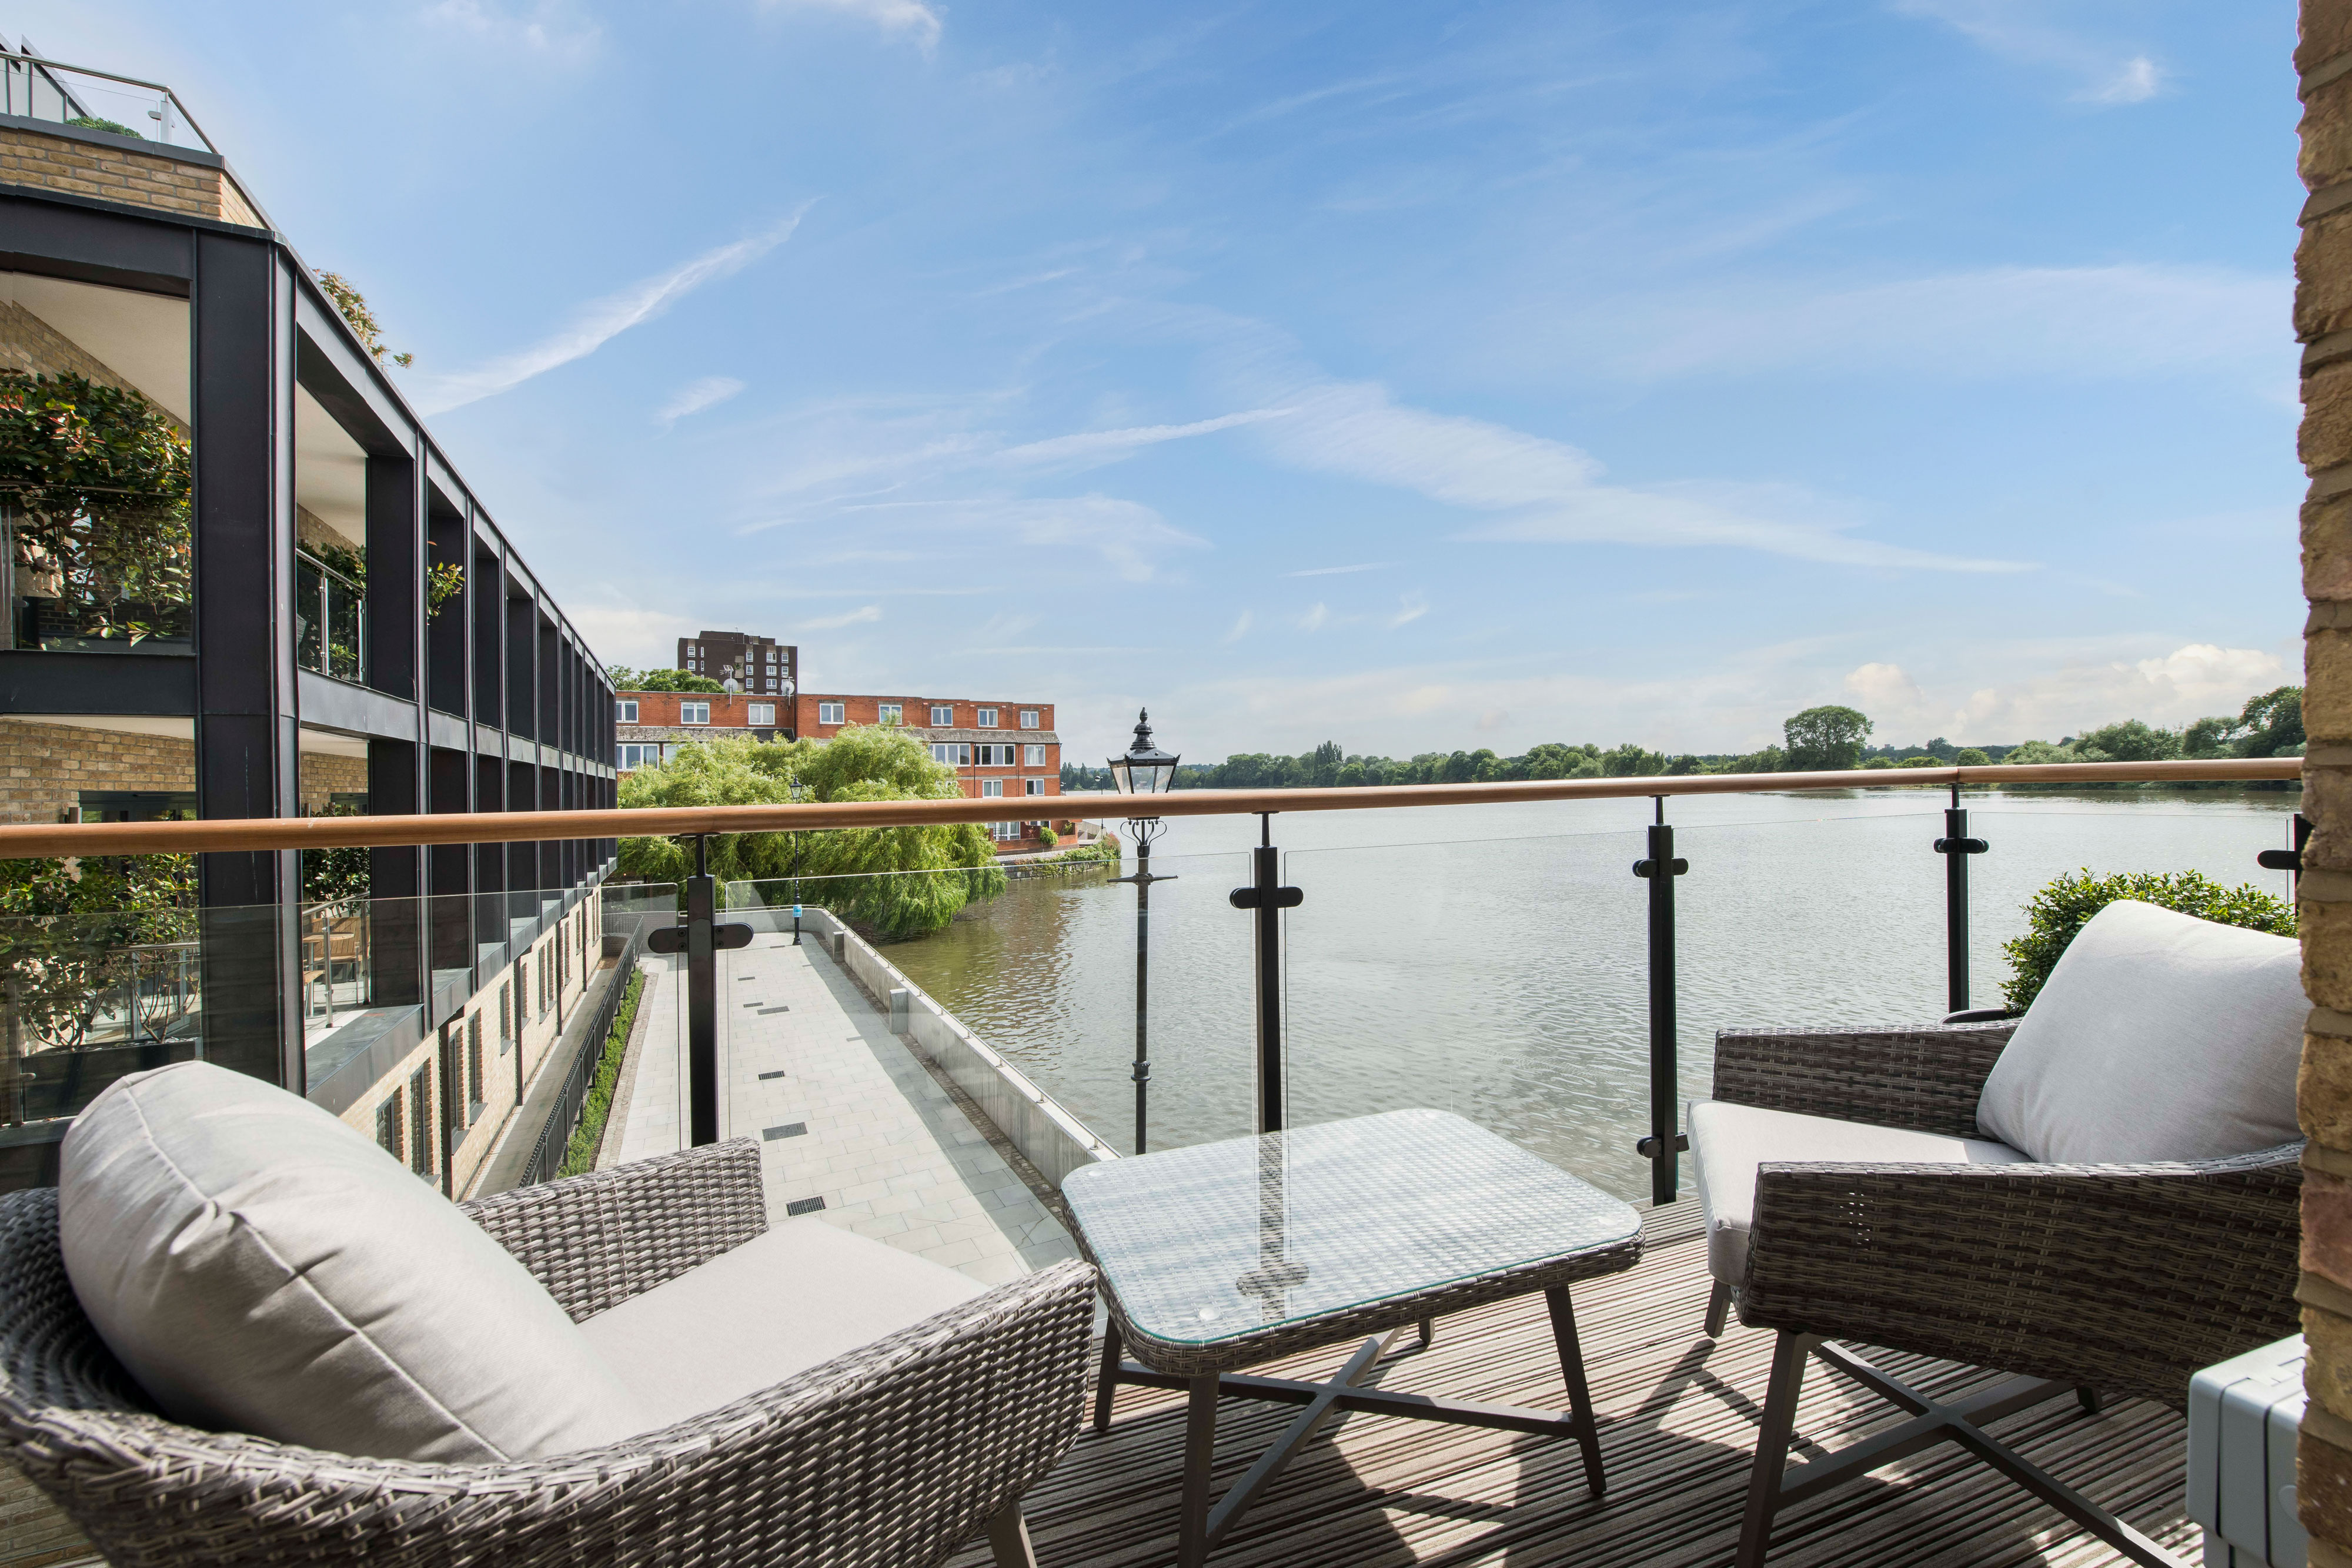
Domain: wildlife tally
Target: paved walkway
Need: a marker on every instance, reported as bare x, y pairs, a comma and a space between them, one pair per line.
847, 1115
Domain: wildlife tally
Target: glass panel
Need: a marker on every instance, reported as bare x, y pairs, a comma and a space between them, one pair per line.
95, 541
1223, 1240
43, 89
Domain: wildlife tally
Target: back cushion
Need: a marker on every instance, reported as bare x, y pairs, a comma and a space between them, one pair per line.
260, 1267
2156, 1037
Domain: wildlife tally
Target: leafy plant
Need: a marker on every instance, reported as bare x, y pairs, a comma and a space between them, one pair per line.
626, 679
899, 881
2060, 910
1047, 838
336, 875
354, 306
67, 931
96, 122
97, 478
580, 1154
443, 580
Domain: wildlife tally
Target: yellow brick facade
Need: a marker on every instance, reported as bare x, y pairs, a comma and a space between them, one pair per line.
44, 769
121, 174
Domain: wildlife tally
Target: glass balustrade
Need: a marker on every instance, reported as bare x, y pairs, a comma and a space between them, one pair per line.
330, 619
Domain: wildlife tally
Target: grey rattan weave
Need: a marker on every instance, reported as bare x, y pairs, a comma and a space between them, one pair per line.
2124, 1277
890, 1457
2106, 1279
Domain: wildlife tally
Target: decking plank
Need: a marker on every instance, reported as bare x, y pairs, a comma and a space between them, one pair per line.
1677, 1426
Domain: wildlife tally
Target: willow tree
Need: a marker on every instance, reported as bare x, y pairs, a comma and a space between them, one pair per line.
94, 481
902, 882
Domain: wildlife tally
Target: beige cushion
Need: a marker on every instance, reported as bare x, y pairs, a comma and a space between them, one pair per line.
1728, 1141
2156, 1037
260, 1267
802, 1294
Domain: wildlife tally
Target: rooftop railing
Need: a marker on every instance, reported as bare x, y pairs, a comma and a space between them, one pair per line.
32, 87
1348, 975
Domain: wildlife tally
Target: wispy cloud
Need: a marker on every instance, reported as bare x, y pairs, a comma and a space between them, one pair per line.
1107, 445
547, 29
2021, 30
912, 18
696, 396
857, 617
600, 322
1240, 630
1314, 620
1340, 570
1545, 491
1411, 607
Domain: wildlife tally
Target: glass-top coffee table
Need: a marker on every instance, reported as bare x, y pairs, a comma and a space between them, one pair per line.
1225, 1255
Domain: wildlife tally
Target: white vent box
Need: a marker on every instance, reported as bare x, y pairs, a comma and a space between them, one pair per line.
2244, 1415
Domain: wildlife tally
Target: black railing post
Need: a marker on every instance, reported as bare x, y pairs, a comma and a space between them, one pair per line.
1955, 847
1664, 1141
2289, 860
1269, 898
702, 999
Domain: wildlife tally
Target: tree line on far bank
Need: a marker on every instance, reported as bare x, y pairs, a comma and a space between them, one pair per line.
1829, 738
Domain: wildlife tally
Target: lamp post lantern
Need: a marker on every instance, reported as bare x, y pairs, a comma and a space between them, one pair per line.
1143, 770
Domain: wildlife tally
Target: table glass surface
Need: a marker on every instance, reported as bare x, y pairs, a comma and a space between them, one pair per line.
1220, 1240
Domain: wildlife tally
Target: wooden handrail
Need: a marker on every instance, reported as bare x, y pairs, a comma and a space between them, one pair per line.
21, 841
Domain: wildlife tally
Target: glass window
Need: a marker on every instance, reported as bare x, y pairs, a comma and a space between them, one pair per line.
420, 1121
1036, 755
626, 712
1028, 719
828, 713
943, 714
389, 1125
474, 1064
889, 713
694, 713
762, 714
988, 718
992, 787
1032, 786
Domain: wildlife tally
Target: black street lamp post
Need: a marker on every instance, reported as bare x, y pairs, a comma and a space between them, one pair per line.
1143, 770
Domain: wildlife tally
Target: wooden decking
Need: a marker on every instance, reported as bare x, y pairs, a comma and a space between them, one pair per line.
1677, 1420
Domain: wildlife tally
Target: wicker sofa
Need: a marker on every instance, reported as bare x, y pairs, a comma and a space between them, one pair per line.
891, 1457
2122, 1279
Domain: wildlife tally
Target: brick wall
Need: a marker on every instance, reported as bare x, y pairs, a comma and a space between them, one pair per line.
121, 174
44, 768
323, 777
2322, 322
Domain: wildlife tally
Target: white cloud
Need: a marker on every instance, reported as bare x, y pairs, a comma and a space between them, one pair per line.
547, 29
1130, 538
857, 617
913, 18
1546, 491
1340, 570
600, 322
696, 396
2125, 319
1410, 608
2138, 81
1240, 630
1314, 619
2190, 683
1110, 445
1891, 698
2021, 30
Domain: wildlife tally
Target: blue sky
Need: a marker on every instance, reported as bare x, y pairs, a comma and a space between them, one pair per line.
1420, 377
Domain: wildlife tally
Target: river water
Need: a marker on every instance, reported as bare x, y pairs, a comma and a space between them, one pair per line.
1491, 960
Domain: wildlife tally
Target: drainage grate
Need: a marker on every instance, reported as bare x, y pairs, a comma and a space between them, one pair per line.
770, 1013
765, 1076
804, 1206
789, 1130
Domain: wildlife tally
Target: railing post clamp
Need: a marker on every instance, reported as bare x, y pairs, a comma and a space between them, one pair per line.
1659, 869
1269, 899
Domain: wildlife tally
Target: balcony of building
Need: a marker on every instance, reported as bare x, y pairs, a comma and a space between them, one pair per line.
949, 1130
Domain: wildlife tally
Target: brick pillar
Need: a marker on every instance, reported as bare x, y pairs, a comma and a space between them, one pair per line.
2322, 322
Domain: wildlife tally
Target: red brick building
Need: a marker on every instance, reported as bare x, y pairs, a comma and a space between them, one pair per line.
1004, 751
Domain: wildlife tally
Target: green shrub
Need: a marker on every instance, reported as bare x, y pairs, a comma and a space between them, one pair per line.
2061, 909
1047, 838
580, 1154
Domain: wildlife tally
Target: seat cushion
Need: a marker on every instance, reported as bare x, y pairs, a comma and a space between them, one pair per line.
260, 1267
804, 1293
2156, 1037
1728, 1141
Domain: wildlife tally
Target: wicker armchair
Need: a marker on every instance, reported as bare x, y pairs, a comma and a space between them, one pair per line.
892, 1456
2123, 1279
